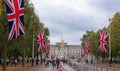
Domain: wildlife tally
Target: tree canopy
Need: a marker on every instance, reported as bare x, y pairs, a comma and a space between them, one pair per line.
93, 38
32, 25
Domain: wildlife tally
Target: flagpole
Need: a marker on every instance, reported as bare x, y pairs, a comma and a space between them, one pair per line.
33, 53
4, 57
33, 44
3, 44
110, 55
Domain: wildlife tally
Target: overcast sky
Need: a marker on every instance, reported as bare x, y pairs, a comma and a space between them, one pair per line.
72, 18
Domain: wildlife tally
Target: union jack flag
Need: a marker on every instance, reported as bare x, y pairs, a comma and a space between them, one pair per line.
103, 40
80, 50
40, 41
47, 46
86, 47
15, 14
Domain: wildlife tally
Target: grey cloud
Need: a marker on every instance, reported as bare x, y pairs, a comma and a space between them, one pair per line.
111, 6
71, 23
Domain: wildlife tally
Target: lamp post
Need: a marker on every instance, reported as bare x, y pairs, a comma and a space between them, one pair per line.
33, 37
33, 44
33, 52
4, 57
110, 55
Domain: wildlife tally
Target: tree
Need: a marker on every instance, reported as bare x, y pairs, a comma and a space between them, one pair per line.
46, 33
21, 46
3, 33
93, 40
115, 35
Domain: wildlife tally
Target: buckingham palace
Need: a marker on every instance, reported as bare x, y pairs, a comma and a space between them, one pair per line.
67, 51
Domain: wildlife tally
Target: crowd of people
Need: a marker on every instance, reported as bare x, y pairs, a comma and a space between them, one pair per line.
9, 61
54, 62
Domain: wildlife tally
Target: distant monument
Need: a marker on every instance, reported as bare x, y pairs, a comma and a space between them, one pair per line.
61, 48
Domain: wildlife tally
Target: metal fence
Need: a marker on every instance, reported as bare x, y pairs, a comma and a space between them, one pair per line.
85, 67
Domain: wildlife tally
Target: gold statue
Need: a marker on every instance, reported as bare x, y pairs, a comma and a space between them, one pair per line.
62, 43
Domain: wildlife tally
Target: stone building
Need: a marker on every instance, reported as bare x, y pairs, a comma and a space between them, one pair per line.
67, 51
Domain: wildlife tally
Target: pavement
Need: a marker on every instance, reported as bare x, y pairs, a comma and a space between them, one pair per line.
43, 68
91, 67
40, 68
68, 68
11, 67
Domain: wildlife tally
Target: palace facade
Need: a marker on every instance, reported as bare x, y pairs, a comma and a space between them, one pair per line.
67, 51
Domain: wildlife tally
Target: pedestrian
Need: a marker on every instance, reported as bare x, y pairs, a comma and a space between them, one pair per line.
57, 63
53, 63
63, 61
37, 61
2, 61
66, 61
91, 61
15, 61
61, 66
86, 61
46, 60
7, 62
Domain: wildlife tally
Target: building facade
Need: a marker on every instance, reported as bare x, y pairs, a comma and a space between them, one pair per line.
67, 51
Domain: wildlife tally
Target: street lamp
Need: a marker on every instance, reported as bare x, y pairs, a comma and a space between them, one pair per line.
33, 37
33, 43
110, 55
33, 52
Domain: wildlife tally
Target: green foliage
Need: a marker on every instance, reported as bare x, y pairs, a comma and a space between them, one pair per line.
3, 28
115, 35
46, 30
23, 43
93, 39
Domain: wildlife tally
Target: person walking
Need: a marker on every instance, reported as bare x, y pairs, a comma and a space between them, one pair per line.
61, 66
15, 61
46, 62
53, 63
57, 63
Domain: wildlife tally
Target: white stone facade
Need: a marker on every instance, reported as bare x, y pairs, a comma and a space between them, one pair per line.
67, 52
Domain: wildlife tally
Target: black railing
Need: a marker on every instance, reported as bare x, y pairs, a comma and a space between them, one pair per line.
89, 67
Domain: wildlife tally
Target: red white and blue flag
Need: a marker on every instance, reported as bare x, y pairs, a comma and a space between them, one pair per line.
40, 41
103, 40
47, 47
15, 14
80, 50
86, 47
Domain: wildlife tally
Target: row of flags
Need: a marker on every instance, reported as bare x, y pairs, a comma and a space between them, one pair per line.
15, 15
42, 44
85, 50
103, 40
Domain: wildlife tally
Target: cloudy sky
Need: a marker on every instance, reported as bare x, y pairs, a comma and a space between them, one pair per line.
72, 18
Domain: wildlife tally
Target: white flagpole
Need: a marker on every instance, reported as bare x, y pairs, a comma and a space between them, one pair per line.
110, 58
33, 42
